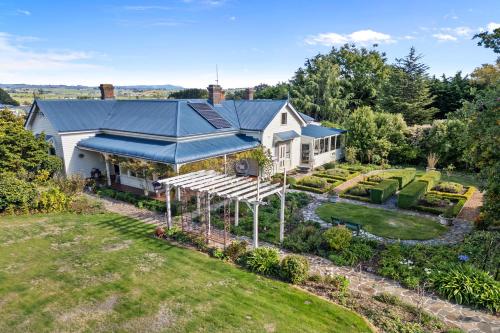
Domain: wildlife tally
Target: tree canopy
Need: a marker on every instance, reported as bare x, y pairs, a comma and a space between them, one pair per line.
194, 93
5, 98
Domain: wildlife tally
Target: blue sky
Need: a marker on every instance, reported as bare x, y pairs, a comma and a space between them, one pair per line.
181, 41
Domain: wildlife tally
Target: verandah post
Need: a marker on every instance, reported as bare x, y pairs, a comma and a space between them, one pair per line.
169, 212
282, 210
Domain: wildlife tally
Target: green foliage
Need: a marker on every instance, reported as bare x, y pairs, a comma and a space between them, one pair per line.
52, 164
190, 93
483, 249
279, 91
306, 237
450, 93
20, 150
217, 253
337, 238
468, 285
52, 200
490, 40
430, 178
409, 196
383, 190
5, 98
16, 194
294, 269
359, 190
235, 250
403, 176
312, 181
449, 187
407, 90
359, 250
263, 260
70, 185
82, 204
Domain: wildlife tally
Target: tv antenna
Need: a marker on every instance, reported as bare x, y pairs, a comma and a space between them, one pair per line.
216, 74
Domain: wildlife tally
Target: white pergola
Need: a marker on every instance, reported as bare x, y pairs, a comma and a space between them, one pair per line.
238, 189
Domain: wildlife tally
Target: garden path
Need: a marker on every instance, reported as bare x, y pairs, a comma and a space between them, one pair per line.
470, 320
472, 207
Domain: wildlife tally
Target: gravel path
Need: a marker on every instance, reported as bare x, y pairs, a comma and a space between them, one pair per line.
468, 319
472, 207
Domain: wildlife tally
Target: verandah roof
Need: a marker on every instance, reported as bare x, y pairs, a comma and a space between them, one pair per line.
168, 151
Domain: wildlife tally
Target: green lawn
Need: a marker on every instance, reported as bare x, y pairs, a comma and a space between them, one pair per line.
382, 222
106, 273
466, 179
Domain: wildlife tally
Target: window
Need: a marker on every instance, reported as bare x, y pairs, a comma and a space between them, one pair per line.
333, 142
316, 147
327, 144
52, 150
288, 150
321, 146
283, 118
132, 173
305, 153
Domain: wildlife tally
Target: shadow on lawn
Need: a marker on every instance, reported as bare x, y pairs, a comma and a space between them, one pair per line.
134, 229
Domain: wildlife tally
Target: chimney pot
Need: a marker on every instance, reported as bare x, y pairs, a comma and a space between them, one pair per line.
248, 94
215, 94
107, 91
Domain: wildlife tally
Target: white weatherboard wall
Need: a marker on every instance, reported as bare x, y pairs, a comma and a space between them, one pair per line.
293, 124
39, 124
329, 156
73, 163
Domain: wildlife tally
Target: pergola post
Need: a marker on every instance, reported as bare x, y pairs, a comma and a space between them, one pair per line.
108, 171
255, 225
282, 208
225, 164
236, 212
169, 211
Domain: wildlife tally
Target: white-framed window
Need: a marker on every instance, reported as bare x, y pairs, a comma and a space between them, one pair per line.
333, 142
327, 144
284, 118
316, 147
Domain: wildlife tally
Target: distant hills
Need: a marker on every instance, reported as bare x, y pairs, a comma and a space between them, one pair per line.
78, 87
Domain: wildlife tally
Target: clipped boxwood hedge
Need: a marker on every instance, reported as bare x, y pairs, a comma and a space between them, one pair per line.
467, 195
430, 178
411, 193
311, 189
383, 190
404, 177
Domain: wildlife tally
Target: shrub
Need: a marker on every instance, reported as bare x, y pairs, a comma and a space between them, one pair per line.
311, 189
359, 190
52, 200
339, 282
314, 182
217, 253
410, 194
454, 210
294, 269
483, 249
468, 285
263, 260
69, 185
337, 238
359, 250
338, 172
329, 165
404, 177
304, 238
430, 178
235, 250
449, 187
384, 190
15, 194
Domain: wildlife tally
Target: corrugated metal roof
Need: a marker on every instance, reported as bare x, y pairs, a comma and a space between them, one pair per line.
254, 114
306, 118
169, 152
285, 136
157, 117
316, 131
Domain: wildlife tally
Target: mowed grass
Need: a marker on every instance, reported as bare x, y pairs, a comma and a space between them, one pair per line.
105, 272
382, 222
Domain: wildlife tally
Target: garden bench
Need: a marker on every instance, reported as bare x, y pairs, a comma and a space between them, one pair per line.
349, 225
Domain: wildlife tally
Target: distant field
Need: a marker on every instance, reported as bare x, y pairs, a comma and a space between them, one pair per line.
106, 273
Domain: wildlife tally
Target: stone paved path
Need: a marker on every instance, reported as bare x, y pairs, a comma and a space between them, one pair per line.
472, 207
468, 319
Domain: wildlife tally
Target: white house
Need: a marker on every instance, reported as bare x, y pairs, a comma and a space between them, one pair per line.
175, 132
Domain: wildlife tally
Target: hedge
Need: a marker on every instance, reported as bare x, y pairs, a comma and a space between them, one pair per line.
311, 189
139, 200
404, 177
354, 197
426, 209
454, 210
431, 178
383, 190
467, 195
411, 193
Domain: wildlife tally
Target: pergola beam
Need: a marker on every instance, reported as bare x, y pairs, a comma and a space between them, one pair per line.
209, 185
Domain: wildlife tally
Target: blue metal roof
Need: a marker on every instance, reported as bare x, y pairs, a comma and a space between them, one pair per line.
167, 151
251, 114
285, 136
157, 117
316, 131
306, 118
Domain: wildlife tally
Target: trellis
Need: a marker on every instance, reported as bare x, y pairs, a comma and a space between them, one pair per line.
208, 184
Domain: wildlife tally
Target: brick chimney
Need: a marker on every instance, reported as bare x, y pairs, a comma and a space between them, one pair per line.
215, 94
107, 91
248, 94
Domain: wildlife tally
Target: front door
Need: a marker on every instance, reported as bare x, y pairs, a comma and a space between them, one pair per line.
305, 153
281, 155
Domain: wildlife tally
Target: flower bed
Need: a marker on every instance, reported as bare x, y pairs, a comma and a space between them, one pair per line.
357, 192
313, 184
337, 174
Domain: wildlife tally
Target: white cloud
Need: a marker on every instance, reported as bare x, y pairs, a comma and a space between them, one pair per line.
463, 31
408, 37
17, 59
444, 37
23, 12
492, 26
362, 37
